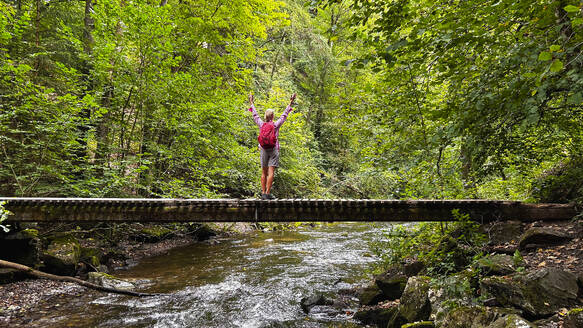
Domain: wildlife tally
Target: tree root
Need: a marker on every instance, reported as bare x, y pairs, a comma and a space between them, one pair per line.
44, 275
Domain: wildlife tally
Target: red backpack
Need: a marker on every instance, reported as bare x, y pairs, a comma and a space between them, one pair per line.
267, 138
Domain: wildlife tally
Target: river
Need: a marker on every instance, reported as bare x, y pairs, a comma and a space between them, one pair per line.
254, 280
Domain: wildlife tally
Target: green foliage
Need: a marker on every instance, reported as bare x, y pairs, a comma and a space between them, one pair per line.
517, 258
3, 217
442, 247
397, 99
561, 184
469, 92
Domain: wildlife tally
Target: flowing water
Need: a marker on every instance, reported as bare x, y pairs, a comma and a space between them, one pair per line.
254, 280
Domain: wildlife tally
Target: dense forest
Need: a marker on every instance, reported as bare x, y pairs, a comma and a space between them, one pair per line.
396, 99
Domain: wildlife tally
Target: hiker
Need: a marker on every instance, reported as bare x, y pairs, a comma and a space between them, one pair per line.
269, 144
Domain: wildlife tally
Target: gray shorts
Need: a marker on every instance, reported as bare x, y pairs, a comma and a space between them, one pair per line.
269, 157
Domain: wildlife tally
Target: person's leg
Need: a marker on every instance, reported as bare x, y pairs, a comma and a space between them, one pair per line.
264, 174
270, 173
264, 160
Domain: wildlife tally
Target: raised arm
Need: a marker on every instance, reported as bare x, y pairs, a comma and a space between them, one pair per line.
256, 117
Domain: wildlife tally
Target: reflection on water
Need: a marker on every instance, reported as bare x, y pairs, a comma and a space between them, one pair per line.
248, 281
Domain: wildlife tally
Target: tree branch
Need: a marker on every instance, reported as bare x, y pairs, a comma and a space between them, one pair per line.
44, 275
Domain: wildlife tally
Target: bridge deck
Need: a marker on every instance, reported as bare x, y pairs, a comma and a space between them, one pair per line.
281, 210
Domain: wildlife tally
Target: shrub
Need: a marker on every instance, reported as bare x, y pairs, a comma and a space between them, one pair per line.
443, 247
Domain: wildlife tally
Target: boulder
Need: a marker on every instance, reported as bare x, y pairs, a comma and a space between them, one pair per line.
497, 264
413, 268
542, 236
392, 283
21, 247
511, 321
307, 303
376, 316
370, 295
455, 289
415, 305
109, 281
152, 234
504, 232
539, 293
203, 232
469, 316
62, 256
574, 319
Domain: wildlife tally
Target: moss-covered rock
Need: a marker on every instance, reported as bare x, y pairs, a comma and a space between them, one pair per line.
415, 305
413, 268
62, 256
21, 247
370, 295
376, 316
29, 233
202, 232
419, 324
392, 283
463, 316
511, 321
539, 293
504, 232
109, 281
153, 234
474, 316
539, 236
497, 264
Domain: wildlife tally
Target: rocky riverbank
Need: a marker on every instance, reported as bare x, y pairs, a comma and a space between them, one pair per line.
525, 276
77, 252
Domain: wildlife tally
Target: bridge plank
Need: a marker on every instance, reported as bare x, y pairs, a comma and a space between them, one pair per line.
251, 210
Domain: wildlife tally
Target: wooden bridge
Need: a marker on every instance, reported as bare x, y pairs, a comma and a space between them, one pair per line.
281, 210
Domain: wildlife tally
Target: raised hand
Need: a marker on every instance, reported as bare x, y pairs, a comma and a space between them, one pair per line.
292, 99
251, 99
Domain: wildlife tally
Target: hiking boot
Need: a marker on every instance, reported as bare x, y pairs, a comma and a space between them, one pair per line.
269, 196
263, 196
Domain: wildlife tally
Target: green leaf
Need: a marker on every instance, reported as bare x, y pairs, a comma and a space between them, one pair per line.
575, 99
576, 22
544, 56
571, 9
555, 48
556, 66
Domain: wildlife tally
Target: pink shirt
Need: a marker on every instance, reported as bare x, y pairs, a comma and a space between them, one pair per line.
277, 124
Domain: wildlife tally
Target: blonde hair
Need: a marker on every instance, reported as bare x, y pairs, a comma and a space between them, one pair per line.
269, 115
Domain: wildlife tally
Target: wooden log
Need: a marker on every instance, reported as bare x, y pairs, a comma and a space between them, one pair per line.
43, 275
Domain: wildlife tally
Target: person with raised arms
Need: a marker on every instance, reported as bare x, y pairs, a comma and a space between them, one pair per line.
269, 143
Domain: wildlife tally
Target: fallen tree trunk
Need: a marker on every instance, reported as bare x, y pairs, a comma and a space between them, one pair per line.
44, 275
